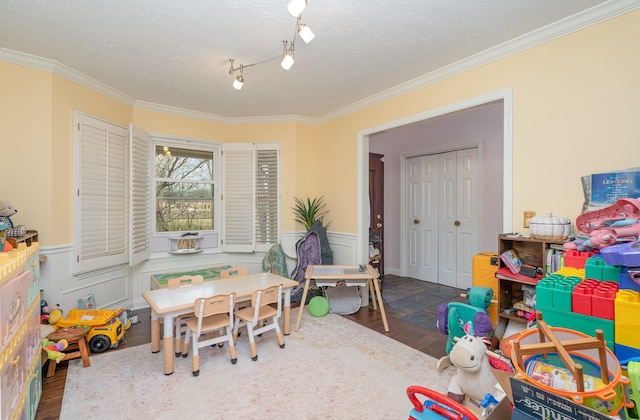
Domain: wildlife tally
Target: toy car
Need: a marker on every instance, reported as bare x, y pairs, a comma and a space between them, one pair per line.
106, 331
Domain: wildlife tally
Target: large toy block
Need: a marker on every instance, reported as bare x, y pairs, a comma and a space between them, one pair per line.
571, 272
581, 297
629, 278
597, 268
627, 307
603, 300
624, 353
485, 265
594, 298
577, 259
554, 291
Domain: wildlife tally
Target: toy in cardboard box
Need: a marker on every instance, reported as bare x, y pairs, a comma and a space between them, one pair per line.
571, 364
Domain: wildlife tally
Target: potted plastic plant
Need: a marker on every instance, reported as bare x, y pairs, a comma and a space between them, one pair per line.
307, 212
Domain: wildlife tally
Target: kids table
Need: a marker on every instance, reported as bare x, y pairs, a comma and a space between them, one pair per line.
330, 275
169, 303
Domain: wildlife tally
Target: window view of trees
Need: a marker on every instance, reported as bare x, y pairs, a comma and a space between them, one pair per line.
184, 189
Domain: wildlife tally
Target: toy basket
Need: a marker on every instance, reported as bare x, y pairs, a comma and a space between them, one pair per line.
607, 398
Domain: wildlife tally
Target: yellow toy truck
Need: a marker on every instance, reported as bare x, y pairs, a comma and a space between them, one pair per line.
107, 330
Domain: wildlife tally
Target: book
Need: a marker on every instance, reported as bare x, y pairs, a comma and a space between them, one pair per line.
512, 260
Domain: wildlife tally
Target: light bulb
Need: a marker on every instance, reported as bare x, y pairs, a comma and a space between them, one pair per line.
287, 61
305, 33
238, 81
296, 7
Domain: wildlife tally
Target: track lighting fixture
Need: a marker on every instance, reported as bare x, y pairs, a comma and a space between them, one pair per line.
239, 80
288, 59
296, 7
304, 31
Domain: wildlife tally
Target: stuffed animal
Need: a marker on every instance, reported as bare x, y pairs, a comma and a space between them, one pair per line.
6, 211
474, 377
54, 350
54, 317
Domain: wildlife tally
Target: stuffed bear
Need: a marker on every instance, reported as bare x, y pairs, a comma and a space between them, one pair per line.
6, 211
474, 376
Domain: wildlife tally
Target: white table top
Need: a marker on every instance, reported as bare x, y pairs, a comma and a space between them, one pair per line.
318, 272
169, 300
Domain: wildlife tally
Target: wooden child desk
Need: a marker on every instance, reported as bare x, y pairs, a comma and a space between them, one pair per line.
330, 275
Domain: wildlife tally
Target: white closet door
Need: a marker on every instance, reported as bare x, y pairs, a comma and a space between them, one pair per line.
422, 217
442, 216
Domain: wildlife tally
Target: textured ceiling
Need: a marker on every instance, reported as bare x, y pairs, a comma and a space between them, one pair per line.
176, 52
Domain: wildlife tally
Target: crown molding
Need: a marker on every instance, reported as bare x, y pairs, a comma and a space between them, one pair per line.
579, 21
181, 112
57, 68
571, 24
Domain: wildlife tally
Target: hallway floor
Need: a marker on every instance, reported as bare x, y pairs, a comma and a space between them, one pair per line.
416, 301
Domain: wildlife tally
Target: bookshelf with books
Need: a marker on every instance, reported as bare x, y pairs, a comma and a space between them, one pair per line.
524, 261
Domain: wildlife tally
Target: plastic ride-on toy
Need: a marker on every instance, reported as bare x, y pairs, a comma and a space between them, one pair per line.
106, 330
436, 406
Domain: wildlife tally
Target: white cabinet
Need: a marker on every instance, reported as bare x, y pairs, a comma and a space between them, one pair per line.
20, 332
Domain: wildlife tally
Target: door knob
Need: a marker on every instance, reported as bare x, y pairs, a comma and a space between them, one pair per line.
416, 221
456, 223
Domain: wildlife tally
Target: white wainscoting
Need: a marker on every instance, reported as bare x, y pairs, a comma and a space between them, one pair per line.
123, 286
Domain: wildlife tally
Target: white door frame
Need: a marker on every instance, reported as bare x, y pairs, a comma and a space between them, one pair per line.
506, 95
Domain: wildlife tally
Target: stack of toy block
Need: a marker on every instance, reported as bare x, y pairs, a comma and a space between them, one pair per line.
568, 300
627, 324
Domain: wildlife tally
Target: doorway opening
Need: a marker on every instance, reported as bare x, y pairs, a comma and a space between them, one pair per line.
502, 184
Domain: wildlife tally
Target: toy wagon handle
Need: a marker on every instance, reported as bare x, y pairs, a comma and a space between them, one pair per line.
439, 398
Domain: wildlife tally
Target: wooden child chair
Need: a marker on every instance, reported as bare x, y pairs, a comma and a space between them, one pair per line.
261, 310
212, 314
174, 283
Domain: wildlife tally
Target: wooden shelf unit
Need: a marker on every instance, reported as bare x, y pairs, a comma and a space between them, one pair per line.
531, 251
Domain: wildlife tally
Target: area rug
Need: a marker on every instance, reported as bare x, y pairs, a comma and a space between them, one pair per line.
332, 368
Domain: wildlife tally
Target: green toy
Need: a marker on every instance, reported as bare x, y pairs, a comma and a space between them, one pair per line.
318, 306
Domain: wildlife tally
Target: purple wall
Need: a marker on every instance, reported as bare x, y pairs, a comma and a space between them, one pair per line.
482, 124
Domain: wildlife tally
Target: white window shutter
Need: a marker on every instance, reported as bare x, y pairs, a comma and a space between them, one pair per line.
238, 197
101, 194
139, 195
267, 196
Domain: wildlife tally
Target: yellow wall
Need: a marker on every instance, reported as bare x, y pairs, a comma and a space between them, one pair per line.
576, 107
26, 144
55, 219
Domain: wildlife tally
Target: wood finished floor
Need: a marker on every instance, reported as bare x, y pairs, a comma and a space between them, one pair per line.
411, 306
